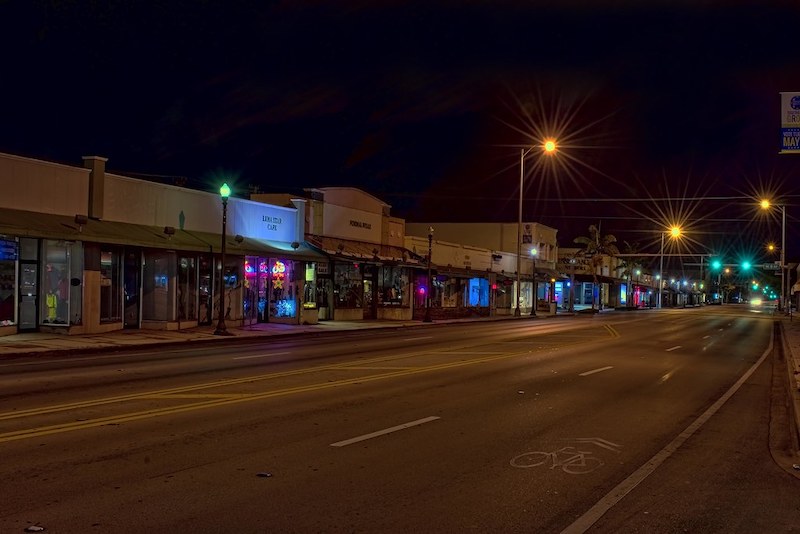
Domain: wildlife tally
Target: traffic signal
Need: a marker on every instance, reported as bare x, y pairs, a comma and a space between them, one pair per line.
746, 265
716, 265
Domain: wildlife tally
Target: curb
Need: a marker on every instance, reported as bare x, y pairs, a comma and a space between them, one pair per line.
794, 390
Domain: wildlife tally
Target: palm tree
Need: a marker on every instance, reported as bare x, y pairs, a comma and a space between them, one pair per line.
595, 247
629, 265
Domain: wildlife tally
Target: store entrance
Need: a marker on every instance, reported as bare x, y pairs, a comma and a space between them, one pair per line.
28, 296
132, 283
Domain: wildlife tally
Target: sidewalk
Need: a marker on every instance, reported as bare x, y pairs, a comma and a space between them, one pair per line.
791, 345
48, 343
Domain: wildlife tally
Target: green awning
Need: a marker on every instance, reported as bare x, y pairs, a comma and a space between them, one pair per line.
61, 227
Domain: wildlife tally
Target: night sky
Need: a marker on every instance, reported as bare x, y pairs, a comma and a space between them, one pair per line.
662, 111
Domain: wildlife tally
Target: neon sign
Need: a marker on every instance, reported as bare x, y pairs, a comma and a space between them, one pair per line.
278, 274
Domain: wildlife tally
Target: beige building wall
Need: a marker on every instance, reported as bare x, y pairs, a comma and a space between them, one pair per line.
41, 186
500, 237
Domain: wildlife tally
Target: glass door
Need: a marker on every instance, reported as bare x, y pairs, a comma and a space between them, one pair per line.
28, 295
132, 278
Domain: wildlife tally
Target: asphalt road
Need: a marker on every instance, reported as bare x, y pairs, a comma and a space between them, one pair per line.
628, 422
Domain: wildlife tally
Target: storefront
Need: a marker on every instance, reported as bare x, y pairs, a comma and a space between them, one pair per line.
452, 294
8, 281
362, 280
271, 289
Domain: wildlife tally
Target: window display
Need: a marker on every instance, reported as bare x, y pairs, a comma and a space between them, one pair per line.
110, 286
8, 286
282, 286
393, 286
348, 286
310, 286
56, 282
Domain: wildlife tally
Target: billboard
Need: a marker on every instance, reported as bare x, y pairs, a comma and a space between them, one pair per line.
790, 123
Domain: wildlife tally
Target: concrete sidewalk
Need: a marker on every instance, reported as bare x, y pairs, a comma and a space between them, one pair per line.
49, 343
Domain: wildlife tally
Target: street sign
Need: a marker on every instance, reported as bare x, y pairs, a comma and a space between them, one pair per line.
771, 266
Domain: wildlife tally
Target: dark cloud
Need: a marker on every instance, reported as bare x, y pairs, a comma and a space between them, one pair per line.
423, 104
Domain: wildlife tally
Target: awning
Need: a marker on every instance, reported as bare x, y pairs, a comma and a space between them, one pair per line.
48, 226
356, 250
591, 278
548, 273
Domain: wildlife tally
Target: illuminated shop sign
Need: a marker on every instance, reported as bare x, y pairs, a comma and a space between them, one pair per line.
8, 250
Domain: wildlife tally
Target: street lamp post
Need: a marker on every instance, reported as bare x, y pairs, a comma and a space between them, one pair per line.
766, 204
427, 318
534, 252
549, 147
784, 272
674, 232
221, 330
661, 272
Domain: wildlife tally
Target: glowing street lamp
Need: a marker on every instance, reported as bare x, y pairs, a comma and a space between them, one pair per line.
675, 233
549, 147
221, 330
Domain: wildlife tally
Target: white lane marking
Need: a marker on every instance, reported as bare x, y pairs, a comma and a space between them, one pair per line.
706, 337
590, 517
417, 338
384, 431
720, 330
261, 355
676, 347
593, 371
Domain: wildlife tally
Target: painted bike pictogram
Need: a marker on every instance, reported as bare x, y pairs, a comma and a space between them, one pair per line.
569, 459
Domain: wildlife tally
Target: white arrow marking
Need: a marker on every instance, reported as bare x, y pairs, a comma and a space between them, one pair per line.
600, 442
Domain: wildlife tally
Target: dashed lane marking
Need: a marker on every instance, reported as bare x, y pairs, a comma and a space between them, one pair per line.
383, 432
593, 371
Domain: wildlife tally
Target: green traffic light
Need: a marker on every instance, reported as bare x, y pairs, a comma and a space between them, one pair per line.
716, 264
746, 265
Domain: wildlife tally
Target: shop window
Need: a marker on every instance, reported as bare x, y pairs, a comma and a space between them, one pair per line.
477, 294
348, 286
503, 295
451, 290
232, 283
250, 301
282, 288
158, 281
310, 286
393, 286
110, 286
8, 280
187, 297
61, 298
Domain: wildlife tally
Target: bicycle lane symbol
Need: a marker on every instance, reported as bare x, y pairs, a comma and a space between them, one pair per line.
570, 459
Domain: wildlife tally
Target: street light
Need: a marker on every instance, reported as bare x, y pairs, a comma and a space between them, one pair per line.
674, 232
427, 318
765, 205
534, 252
224, 193
548, 147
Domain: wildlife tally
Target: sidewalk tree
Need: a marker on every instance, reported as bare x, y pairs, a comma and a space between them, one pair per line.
630, 264
595, 247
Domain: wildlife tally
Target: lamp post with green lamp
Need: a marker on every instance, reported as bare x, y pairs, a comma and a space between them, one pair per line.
222, 330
